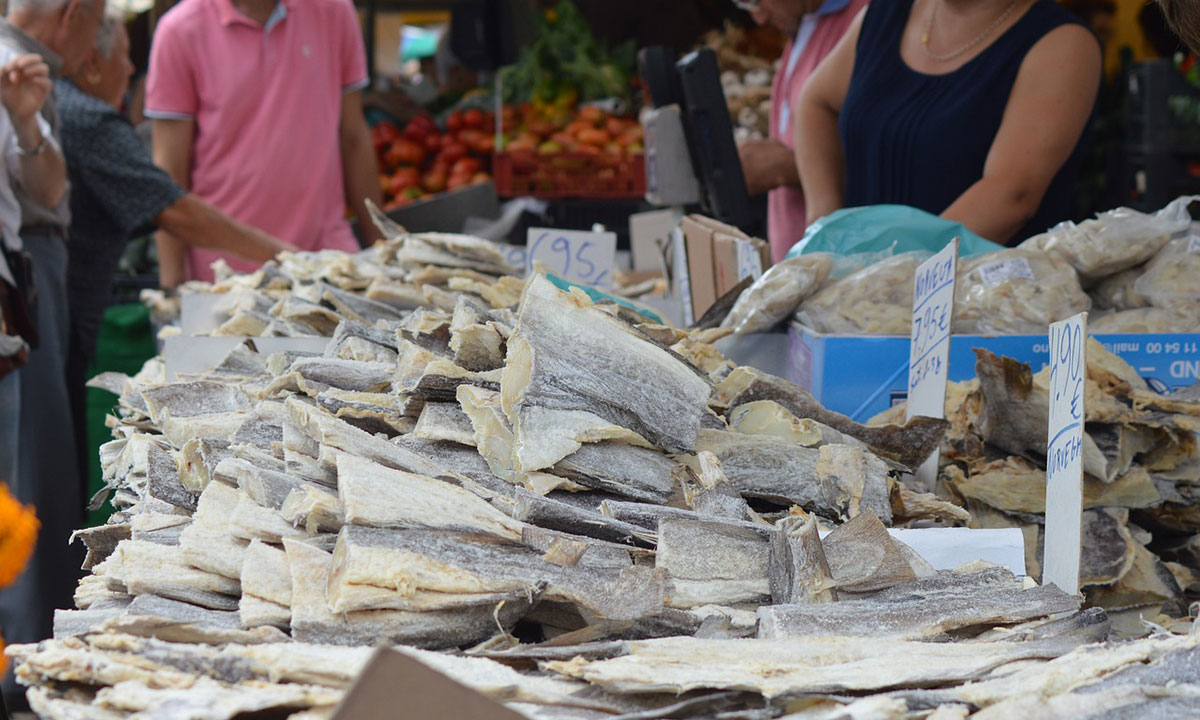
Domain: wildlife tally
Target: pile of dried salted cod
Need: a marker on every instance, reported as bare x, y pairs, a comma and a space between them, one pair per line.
1141, 529
579, 514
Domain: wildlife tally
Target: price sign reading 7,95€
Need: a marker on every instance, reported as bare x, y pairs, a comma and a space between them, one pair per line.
1064, 453
583, 257
928, 359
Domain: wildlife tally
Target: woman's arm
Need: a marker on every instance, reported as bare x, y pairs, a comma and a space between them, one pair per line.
1047, 110
818, 144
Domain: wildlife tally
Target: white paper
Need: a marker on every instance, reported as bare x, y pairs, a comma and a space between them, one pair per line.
648, 231
1064, 453
1002, 270
929, 353
1193, 243
951, 548
516, 255
749, 262
187, 355
587, 258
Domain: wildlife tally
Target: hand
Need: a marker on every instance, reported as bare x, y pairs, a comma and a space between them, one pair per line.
763, 164
24, 86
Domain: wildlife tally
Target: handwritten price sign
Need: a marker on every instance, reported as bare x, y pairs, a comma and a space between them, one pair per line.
1064, 453
929, 354
583, 257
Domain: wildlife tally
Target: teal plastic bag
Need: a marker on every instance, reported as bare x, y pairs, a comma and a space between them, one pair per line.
887, 230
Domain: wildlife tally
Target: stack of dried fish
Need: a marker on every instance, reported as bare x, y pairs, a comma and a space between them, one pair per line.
497, 465
1141, 527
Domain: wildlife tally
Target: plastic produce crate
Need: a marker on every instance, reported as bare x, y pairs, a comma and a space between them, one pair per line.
575, 175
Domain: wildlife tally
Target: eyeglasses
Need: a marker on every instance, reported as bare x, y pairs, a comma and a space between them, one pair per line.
747, 5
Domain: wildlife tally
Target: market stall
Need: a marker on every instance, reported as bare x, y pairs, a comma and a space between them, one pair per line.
556, 448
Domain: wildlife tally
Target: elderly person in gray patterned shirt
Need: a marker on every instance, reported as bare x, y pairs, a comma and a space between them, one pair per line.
117, 193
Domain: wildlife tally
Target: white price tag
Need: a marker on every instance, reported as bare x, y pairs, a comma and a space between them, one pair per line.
1193, 243
1064, 453
1002, 270
929, 353
587, 258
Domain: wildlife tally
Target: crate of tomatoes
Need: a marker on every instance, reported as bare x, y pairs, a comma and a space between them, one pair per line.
423, 159
593, 154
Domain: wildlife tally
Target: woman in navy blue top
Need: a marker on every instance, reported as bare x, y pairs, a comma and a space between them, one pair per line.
971, 109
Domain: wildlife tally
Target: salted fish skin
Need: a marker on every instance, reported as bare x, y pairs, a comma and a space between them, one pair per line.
635, 472
201, 397
314, 622
863, 557
914, 618
713, 562
101, 541
797, 569
551, 514
350, 375
663, 402
765, 467
480, 564
796, 666
444, 422
147, 568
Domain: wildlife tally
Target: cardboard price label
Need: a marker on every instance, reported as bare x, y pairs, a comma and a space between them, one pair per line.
1064, 453
929, 353
587, 258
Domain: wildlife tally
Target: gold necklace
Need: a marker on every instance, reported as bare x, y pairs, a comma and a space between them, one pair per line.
978, 39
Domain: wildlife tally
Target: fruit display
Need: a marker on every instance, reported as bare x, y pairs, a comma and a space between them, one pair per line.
423, 159
551, 153
748, 61
565, 64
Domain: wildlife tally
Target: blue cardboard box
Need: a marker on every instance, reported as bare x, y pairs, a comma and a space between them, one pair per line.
861, 376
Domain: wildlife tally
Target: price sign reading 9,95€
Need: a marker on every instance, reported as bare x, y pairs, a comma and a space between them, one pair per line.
928, 369
1064, 453
583, 257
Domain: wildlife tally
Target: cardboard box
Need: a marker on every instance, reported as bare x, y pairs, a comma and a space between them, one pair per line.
725, 262
394, 686
861, 376
698, 237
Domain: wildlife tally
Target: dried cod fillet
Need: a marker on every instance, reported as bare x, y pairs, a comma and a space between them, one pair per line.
919, 616
797, 570
101, 541
476, 342
212, 701
350, 375
314, 510
194, 398
313, 621
449, 562
265, 573
795, 666
635, 472
173, 621
863, 557
444, 422
139, 567
377, 496
1016, 485
567, 381
252, 521
909, 444
208, 543
713, 562
834, 480
550, 514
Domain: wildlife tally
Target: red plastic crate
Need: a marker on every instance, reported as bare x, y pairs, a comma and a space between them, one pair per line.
576, 175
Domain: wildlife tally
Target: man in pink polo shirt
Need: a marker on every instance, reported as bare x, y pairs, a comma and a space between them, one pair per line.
257, 108
770, 165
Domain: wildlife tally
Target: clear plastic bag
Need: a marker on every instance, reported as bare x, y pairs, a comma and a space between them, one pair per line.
1015, 292
776, 295
1172, 278
876, 300
1114, 240
1117, 292
1143, 320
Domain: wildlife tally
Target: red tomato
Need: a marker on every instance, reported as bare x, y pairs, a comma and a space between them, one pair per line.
466, 166
454, 121
418, 128
473, 118
486, 145
434, 181
454, 152
406, 152
433, 143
